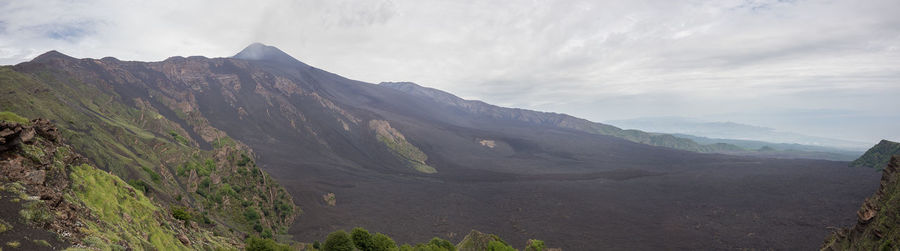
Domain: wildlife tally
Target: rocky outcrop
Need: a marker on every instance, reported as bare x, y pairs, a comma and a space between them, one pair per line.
878, 220
33, 158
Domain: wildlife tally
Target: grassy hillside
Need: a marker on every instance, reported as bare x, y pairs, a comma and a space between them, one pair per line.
220, 186
88, 207
877, 156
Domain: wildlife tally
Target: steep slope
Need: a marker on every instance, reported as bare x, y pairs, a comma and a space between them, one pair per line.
878, 220
481, 109
56, 189
878, 156
358, 154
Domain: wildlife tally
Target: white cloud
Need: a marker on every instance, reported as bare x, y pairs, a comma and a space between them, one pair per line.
689, 58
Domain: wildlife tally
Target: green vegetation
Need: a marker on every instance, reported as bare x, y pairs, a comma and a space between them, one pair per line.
110, 199
383, 242
408, 151
4, 226
178, 138
131, 139
535, 245
878, 156
13, 244
338, 241
499, 246
12, 117
181, 214
42, 243
361, 239
140, 185
35, 211
263, 244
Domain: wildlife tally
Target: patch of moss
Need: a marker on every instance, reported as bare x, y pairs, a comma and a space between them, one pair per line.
33, 152
14, 244
36, 212
42, 243
12, 117
110, 198
4, 226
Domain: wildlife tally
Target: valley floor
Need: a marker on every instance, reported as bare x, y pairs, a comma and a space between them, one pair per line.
752, 203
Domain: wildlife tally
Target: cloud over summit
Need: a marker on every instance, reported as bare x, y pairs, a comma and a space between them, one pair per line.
600, 60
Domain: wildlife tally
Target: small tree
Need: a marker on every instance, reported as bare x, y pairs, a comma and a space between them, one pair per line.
338, 241
438, 242
384, 243
260, 244
362, 239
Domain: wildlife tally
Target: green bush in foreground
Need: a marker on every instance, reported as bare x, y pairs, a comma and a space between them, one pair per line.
362, 239
382, 242
261, 244
338, 241
499, 246
535, 245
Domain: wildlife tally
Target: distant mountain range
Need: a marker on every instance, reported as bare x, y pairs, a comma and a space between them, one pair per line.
734, 131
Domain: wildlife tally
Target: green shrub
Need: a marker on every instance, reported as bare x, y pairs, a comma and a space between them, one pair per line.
338, 241
499, 246
41, 243
4, 226
244, 160
362, 239
382, 242
179, 139
251, 214
181, 214
35, 211
154, 176
442, 243
13, 244
263, 244
140, 185
535, 245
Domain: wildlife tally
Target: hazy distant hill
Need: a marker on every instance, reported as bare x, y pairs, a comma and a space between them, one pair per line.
780, 150
730, 130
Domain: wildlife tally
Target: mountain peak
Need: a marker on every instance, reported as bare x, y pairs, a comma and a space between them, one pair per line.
51, 55
262, 52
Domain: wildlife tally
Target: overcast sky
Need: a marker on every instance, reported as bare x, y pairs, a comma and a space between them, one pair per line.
824, 68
